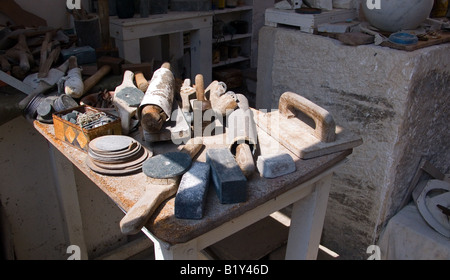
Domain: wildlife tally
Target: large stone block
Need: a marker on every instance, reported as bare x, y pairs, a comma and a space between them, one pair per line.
396, 101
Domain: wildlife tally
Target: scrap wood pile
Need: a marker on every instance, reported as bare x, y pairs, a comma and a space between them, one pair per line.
29, 50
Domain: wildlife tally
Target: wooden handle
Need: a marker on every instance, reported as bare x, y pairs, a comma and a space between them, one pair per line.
6, 66
73, 62
325, 129
244, 159
103, 14
94, 79
140, 213
153, 118
200, 87
141, 81
192, 147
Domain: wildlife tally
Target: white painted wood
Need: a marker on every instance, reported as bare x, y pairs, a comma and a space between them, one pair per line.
306, 22
184, 251
128, 250
141, 28
315, 193
201, 54
129, 50
307, 220
66, 189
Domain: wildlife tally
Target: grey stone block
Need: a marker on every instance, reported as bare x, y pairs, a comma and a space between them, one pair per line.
229, 181
273, 166
191, 195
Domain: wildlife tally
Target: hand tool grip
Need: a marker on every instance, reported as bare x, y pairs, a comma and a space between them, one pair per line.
244, 159
200, 87
325, 129
140, 213
141, 81
90, 82
192, 147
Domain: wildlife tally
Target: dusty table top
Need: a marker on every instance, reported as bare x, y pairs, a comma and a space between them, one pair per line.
126, 190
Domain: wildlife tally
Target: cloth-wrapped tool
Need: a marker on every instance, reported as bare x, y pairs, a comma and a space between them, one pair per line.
156, 106
73, 85
242, 136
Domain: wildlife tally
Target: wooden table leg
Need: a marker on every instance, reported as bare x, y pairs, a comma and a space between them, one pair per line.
66, 188
308, 215
164, 251
129, 50
201, 54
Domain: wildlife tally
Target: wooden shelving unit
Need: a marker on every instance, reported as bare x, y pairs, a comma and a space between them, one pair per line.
243, 41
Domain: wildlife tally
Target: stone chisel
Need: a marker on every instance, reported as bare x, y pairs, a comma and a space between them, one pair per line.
164, 172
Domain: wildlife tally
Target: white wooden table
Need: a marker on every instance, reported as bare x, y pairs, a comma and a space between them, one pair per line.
307, 189
128, 32
310, 204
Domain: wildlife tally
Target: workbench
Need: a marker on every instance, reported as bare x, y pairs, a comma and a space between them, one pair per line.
128, 33
307, 189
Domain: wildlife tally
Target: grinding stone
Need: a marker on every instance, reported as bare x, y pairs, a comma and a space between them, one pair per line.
273, 166
111, 143
107, 158
167, 165
131, 96
124, 171
138, 159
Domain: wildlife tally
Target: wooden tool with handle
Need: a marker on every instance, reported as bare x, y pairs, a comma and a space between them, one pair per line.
154, 195
200, 90
141, 81
242, 136
306, 138
156, 106
90, 82
325, 127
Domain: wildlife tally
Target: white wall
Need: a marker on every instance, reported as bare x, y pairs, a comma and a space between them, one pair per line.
53, 11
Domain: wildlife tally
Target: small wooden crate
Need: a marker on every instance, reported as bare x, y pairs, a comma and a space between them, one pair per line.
80, 137
306, 22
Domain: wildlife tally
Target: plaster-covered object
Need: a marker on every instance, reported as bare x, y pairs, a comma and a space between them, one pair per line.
396, 15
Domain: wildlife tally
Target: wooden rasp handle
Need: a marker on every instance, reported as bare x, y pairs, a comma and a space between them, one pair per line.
244, 159
200, 87
325, 129
192, 147
141, 81
140, 213
90, 82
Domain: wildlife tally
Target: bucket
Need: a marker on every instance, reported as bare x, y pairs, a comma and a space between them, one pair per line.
159, 6
88, 32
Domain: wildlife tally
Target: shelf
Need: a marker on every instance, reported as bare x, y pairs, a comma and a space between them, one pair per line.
228, 38
232, 10
231, 61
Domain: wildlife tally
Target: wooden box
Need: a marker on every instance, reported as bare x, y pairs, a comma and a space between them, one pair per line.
232, 77
80, 137
306, 22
